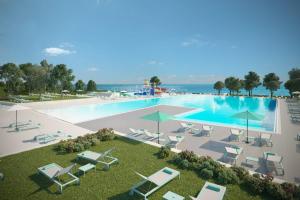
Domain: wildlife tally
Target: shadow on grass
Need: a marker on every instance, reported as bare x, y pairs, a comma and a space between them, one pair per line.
43, 183
125, 196
129, 141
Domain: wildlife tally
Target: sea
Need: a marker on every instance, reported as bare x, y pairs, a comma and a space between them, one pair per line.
188, 88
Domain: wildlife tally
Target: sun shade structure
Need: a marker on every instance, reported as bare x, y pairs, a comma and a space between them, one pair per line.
158, 117
248, 116
15, 108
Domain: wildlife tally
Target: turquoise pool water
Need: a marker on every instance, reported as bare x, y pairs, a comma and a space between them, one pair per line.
206, 108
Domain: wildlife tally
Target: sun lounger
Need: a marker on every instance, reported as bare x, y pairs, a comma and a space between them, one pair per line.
210, 191
53, 171
158, 179
236, 134
153, 136
266, 139
104, 158
13, 125
175, 140
137, 132
232, 153
18, 100
185, 127
207, 130
28, 127
274, 162
45, 138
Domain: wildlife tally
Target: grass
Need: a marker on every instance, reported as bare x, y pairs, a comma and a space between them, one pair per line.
22, 182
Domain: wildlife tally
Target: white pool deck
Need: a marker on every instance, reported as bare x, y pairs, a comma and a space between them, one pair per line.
285, 144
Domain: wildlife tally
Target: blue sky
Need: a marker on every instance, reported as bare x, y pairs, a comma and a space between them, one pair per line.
182, 41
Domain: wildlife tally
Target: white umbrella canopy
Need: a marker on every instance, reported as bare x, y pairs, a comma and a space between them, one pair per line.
15, 108
296, 92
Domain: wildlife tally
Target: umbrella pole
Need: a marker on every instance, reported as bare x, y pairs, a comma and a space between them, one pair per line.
16, 119
247, 140
158, 132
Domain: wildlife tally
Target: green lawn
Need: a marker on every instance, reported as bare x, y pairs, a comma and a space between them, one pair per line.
22, 182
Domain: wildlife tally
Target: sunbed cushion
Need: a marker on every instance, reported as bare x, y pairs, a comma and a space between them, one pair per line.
168, 171
214, 188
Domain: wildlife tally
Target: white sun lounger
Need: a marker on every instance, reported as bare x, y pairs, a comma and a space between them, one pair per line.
104, 158
136, 132
210, 191
236, 134
153, 136
159, 179
28, 127
53, 171
232, 153
207, 130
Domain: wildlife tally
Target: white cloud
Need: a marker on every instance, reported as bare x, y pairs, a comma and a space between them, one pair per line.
197, 41
66, 45
55, 51
190, 42
155, 62
93, 69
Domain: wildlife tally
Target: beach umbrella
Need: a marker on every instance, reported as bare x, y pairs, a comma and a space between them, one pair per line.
16, 108
248, 116
158, 117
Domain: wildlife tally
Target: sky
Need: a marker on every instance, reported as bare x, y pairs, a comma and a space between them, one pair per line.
181, 41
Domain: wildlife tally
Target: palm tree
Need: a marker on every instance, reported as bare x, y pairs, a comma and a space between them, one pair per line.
271, 82
219, 85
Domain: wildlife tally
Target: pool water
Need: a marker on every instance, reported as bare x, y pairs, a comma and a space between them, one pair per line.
206, 109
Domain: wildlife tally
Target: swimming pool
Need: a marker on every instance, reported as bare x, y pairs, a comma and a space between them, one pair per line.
206, 109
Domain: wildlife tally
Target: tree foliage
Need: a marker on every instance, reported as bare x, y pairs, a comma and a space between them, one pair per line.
233, 84
91, 86
12, 77
271, 82
155, 81
79, 85
293, 84
252, 80
219, 85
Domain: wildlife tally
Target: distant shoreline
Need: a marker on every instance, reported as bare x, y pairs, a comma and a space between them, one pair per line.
190, 88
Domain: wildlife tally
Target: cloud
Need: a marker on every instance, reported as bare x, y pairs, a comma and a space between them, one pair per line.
155, 62
66, 45
93, 69
197, 41
56, 51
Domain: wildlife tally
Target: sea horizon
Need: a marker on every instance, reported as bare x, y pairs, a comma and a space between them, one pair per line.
189, 88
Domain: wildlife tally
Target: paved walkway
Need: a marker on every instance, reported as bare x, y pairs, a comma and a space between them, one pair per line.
284, 144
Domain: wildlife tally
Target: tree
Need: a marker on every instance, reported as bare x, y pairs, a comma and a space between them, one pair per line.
62, 77
271, 82
252, 80
12, 77
28, 76
155, 81
219, 85
47, 78
233, 84
79, 85
293, 84
91, 86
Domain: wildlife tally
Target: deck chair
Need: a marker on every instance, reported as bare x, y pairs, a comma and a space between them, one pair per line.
153, 136
210, 191
158, 179
103, 158
53, 171
28, 127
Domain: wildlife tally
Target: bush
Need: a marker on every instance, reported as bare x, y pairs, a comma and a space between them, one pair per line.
227, 176
290, 190
276, 191
78, 147
190, 156
105, 134
255, 184
184, 164
206, 173
164, 152
240, 172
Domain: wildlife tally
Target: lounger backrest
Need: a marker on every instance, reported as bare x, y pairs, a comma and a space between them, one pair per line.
107, 152
64, 171
144, 177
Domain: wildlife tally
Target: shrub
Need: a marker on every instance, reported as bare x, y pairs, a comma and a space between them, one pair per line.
240, 172
276, 191
206, 173
190, 156
184, 164
290, 189
227, 176
105, 134
254, 183
78, 147
164, 152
